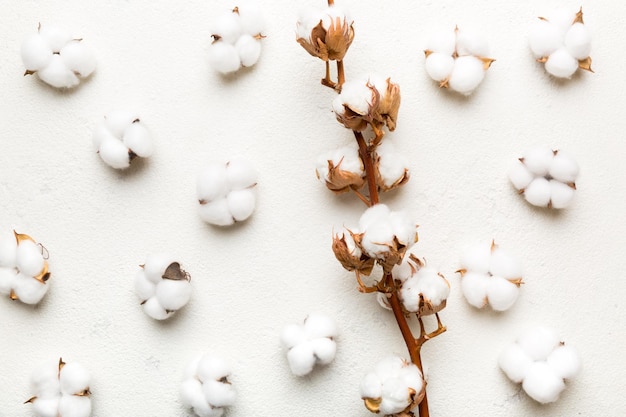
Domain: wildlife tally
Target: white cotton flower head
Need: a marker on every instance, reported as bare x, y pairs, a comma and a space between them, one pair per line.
206, 388
226, 191
162, 286
24, 270
309, 344
121, 138
392, 167
562, 42
237, 37
457, 60
490, 276
423, 290
540, 362
393, 387
545, 177
342, 169
61, 390
57, 58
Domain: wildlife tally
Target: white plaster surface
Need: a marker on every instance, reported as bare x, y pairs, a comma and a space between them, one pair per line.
98, 224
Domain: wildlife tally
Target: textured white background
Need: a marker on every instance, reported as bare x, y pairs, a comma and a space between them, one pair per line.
249, 281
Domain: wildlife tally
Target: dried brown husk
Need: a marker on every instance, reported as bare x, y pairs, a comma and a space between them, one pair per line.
356, 121
363, 264
389, 106
341, 181
175, 272
331, 44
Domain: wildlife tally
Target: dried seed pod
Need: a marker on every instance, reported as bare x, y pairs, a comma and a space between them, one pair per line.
326, 35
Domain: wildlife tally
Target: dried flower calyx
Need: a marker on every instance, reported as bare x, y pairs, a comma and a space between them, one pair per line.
540, 362
457, 60
562, 42
206, 388
341, 169
121, 138
24, 270
57, 58
394, 388
61, 390
368, 101
327, 34
545, 177
162, 286
309, 344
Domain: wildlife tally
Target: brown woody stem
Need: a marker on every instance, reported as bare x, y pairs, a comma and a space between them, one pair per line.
368, 163
341, 76
331, 2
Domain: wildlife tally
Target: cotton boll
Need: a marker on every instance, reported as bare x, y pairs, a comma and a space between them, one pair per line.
55, 36
218, 394
45, 380
138, 139
374, 214
470, 43
542, 384
318, 325
371, 386
538, 192
100, 134
74, 379
36, 53
538, 160
505, 265
29, 259
173, 295
403, 228
562, 18
240, 173
155, 266
442, 42
144, 288
538, 342
8, 249
515, 363
501, 293
432, 285
324, 350
241, 204
78, 57
563, 168
74, 406
520, 176
466, 75
249, 50
474, 287
28, 289
439, 66
47, 406
251, 17
477, 258
395, 396
377, 239
578, 41
544, 38
561, 195
228, 27
118, 121
561, 64
212, 368
392, 166
191, 392
301, 359
356, 95
212, 183
7, 280
115, 154
293, 335
57, 75
403, 271
223, 57
564, 361
216, 212
153, 308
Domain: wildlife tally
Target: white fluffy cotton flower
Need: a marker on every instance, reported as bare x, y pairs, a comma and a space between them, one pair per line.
491, 276
121, 138
237, 37
384, 232
423, 290
393, 387
540, 362
457, 60
341, 169
309, 344
561, 42
392, 167
61, 390
545, 177
24, 270
206, 388
162, 286
226, 192
58, 58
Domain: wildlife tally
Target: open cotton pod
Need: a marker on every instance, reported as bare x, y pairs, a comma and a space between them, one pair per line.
24, 270
561, 42
541, 363
226, 191
545, 177
206, 388
162, 286
61, 390
237, 36
58, 58
121, 138
309, 344
457, 59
